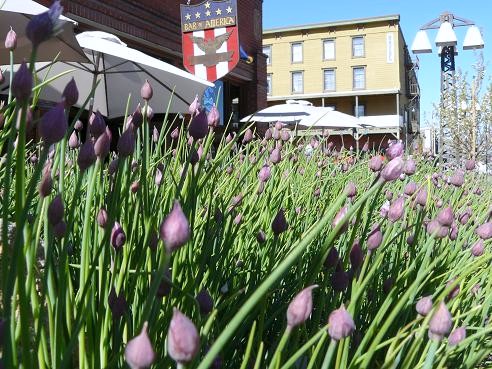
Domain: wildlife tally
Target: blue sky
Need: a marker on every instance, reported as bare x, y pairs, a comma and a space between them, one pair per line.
413, 14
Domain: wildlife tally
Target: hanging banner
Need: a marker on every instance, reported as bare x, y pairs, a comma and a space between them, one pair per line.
210, 38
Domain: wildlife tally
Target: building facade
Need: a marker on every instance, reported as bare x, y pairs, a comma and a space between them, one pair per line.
153, 27
360, 67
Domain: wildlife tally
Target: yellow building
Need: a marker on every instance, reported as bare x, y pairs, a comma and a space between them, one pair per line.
360, 67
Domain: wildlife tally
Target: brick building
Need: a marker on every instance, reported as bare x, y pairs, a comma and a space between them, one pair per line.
153, 26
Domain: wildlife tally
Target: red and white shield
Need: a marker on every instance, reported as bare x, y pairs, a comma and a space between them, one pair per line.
210, 38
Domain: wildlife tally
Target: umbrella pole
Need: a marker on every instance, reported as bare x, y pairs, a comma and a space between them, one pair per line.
94, 83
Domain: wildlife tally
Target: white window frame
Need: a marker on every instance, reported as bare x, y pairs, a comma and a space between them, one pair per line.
359, 67
331, 40
269, 54
363, 47
292, 45
269, 83
301, 73
334, 79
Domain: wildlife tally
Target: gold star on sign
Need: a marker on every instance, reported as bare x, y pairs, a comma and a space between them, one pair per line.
218, 11
207, 13
188, 16
229, 9
197, 15
207, 5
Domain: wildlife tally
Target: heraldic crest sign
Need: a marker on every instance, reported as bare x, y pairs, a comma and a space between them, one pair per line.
210, 38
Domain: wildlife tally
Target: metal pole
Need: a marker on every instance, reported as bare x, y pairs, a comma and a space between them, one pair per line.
447, 84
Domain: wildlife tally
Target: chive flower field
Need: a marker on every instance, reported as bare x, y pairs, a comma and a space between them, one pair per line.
185, 249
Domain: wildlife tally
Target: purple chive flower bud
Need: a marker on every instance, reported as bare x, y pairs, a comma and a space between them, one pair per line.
436, 230
478, 248
117, 304
137, 116
409, 167
11, 40
146, 92
394, 150
46, 184
70, 94
260, 236
135, 186
339, 217
268, 134
205, 301
199, 126
56, 210
424, 305
441, 322
453, 233
332, 258
97, 126
118, 237
175, 229
275, 156
87, 155
175, 133
113, 166
59, 229
456, 289
484, 231
374, 238
284, 135
351, 190
264, 173
248, 136
139, 353
279, 223
339, 279
341, 324
53, 125
410, 188
457, 179
300, 307
79, 126
365, 148
22, 84
392, 170
103, 144
384, 209
126, 143
396, 209
73, 141
43, 26
356, 255
102, 218
421, 197
446, 217
165, 285
213, 117
194, 108
183, 340
389, 195
470, 164
375, 164
456, 336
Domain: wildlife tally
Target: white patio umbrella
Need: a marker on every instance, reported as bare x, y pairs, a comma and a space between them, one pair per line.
329, 119
291, 112
16, 14
121, 71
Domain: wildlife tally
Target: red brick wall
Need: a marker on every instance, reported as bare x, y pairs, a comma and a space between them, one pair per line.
157, 22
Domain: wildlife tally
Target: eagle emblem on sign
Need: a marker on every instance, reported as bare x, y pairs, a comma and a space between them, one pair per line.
210, 38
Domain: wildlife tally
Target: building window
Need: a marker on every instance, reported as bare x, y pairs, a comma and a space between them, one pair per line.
359, 78
360, 110
267, 50
328, 49
329, 81
296, 52
297, 83
358, 47
269, 84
